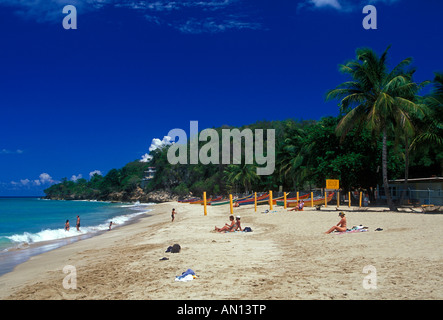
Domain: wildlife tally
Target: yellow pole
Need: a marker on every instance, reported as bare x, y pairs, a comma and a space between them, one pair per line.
297, 197
270, 200
338, 199
204, 202
255, 201
360, 199
230, 204
326, 199
349, 199
284, 196
312, 199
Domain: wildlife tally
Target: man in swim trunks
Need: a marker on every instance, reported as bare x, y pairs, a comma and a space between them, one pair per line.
173, 215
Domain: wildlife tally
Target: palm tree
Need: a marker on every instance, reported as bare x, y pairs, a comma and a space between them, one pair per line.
243, 174
294, 156
376, 98
433, 132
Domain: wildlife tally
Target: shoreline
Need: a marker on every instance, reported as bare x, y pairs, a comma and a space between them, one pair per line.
15, 255
287, 256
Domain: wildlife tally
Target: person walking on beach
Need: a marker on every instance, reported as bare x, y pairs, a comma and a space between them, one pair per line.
173, 215
67, 225
341, 226
78, 223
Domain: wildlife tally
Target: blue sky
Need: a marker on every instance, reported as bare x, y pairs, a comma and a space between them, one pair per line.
76, 101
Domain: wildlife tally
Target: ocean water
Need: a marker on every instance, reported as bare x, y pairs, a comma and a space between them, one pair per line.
30, 226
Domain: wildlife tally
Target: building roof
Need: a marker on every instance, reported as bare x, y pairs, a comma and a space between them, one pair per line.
430, 179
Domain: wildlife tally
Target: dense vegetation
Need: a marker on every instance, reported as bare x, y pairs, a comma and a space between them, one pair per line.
384, 129
126, 179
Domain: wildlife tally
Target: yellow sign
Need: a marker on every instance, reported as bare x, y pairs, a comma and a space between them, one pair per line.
332, 184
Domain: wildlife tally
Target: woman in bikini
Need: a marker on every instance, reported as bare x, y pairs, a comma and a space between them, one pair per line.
227, 227
341, 226
237, 225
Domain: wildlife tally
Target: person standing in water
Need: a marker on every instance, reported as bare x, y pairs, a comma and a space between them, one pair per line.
67, 225
78, 223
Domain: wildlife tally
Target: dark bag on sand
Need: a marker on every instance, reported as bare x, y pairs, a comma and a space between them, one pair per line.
247, 229
175, 248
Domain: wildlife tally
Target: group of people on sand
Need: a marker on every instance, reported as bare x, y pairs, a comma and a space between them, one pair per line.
231, 227
235, 225
77, 225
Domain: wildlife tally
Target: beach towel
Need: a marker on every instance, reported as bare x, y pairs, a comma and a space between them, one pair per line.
352, 231
185, 278
246, 229
188, 275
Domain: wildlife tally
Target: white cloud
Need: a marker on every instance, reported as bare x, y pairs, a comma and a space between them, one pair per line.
188, 16
213, 25
158, 144
25, 182
146, 158
91, 174
5, 151
76, 177
45, 178
341, 5
325, 3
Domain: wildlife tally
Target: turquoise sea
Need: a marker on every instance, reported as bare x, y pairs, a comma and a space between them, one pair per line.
30, 226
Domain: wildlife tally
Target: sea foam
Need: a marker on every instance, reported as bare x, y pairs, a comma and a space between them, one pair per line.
57, 234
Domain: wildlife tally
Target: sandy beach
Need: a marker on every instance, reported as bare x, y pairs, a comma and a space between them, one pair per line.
287, 256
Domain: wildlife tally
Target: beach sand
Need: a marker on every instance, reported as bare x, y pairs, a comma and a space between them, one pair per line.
287, 256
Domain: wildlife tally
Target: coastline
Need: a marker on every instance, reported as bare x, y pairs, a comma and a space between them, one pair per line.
287, 256
19, 253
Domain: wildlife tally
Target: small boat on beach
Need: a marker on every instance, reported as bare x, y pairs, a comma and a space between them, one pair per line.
189, 200
251, 199
307, 201
207, 200
226, 201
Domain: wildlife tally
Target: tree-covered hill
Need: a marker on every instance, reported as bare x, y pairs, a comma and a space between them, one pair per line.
385, 129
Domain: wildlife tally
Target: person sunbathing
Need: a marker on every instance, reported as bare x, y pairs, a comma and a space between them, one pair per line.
298, 207
341, 226
237, 225
227, 227
301, 205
